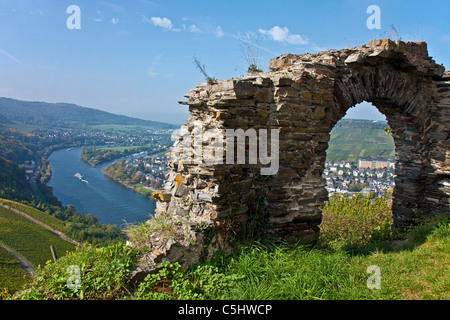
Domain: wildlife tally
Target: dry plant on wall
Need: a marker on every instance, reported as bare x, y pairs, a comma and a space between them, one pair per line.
202, 68
250, 51
392, 34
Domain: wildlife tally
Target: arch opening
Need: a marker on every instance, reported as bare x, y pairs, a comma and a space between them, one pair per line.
404, 99
360, 177
360, 154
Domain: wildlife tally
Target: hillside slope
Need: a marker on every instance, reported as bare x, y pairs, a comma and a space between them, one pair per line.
354, 139
66, 115
27, 240
13, 183
29, 237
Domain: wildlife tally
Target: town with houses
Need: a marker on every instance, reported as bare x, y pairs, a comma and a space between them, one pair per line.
31, 168
143, 172
153, 169
366, 176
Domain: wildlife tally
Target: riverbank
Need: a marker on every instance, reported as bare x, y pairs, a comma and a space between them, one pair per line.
144, 174
108, 201
95, 156
139, 188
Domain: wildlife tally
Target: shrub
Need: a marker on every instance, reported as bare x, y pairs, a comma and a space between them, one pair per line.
171, 282
355, 221
103, 274
253, 68
140, 234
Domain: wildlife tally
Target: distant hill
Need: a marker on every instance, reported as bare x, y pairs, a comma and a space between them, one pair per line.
354, 123
354, 139
65, 115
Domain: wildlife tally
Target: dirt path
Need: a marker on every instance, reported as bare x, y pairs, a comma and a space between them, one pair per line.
52, 230
24, 263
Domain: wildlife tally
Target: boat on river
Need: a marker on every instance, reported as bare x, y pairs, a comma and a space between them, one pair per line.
80, 177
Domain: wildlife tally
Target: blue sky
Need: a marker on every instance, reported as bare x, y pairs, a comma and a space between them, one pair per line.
134, 57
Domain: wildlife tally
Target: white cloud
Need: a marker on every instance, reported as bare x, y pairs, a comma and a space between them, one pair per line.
219, 32
194, 28
114, 20
160, 22
283, 35
166, 23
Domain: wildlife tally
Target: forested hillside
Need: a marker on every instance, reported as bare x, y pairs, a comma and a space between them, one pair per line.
65, 115
13, 183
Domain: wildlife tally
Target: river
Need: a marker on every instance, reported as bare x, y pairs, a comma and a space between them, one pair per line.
109, 201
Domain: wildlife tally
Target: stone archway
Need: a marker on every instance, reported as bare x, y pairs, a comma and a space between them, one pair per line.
214, 206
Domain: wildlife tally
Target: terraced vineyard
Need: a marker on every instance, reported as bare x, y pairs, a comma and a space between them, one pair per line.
12, 276
29, 240
36, 214
354, 139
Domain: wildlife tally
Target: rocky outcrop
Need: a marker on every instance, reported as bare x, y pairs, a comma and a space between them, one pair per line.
214, 202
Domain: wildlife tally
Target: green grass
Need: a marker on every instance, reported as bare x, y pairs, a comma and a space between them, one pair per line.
416, 269
287, 273
422, 273
415, 266
143, 190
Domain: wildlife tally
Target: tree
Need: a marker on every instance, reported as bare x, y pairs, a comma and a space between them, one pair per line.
136, 178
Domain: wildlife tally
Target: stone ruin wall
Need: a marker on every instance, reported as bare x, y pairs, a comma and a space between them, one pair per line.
214, 207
